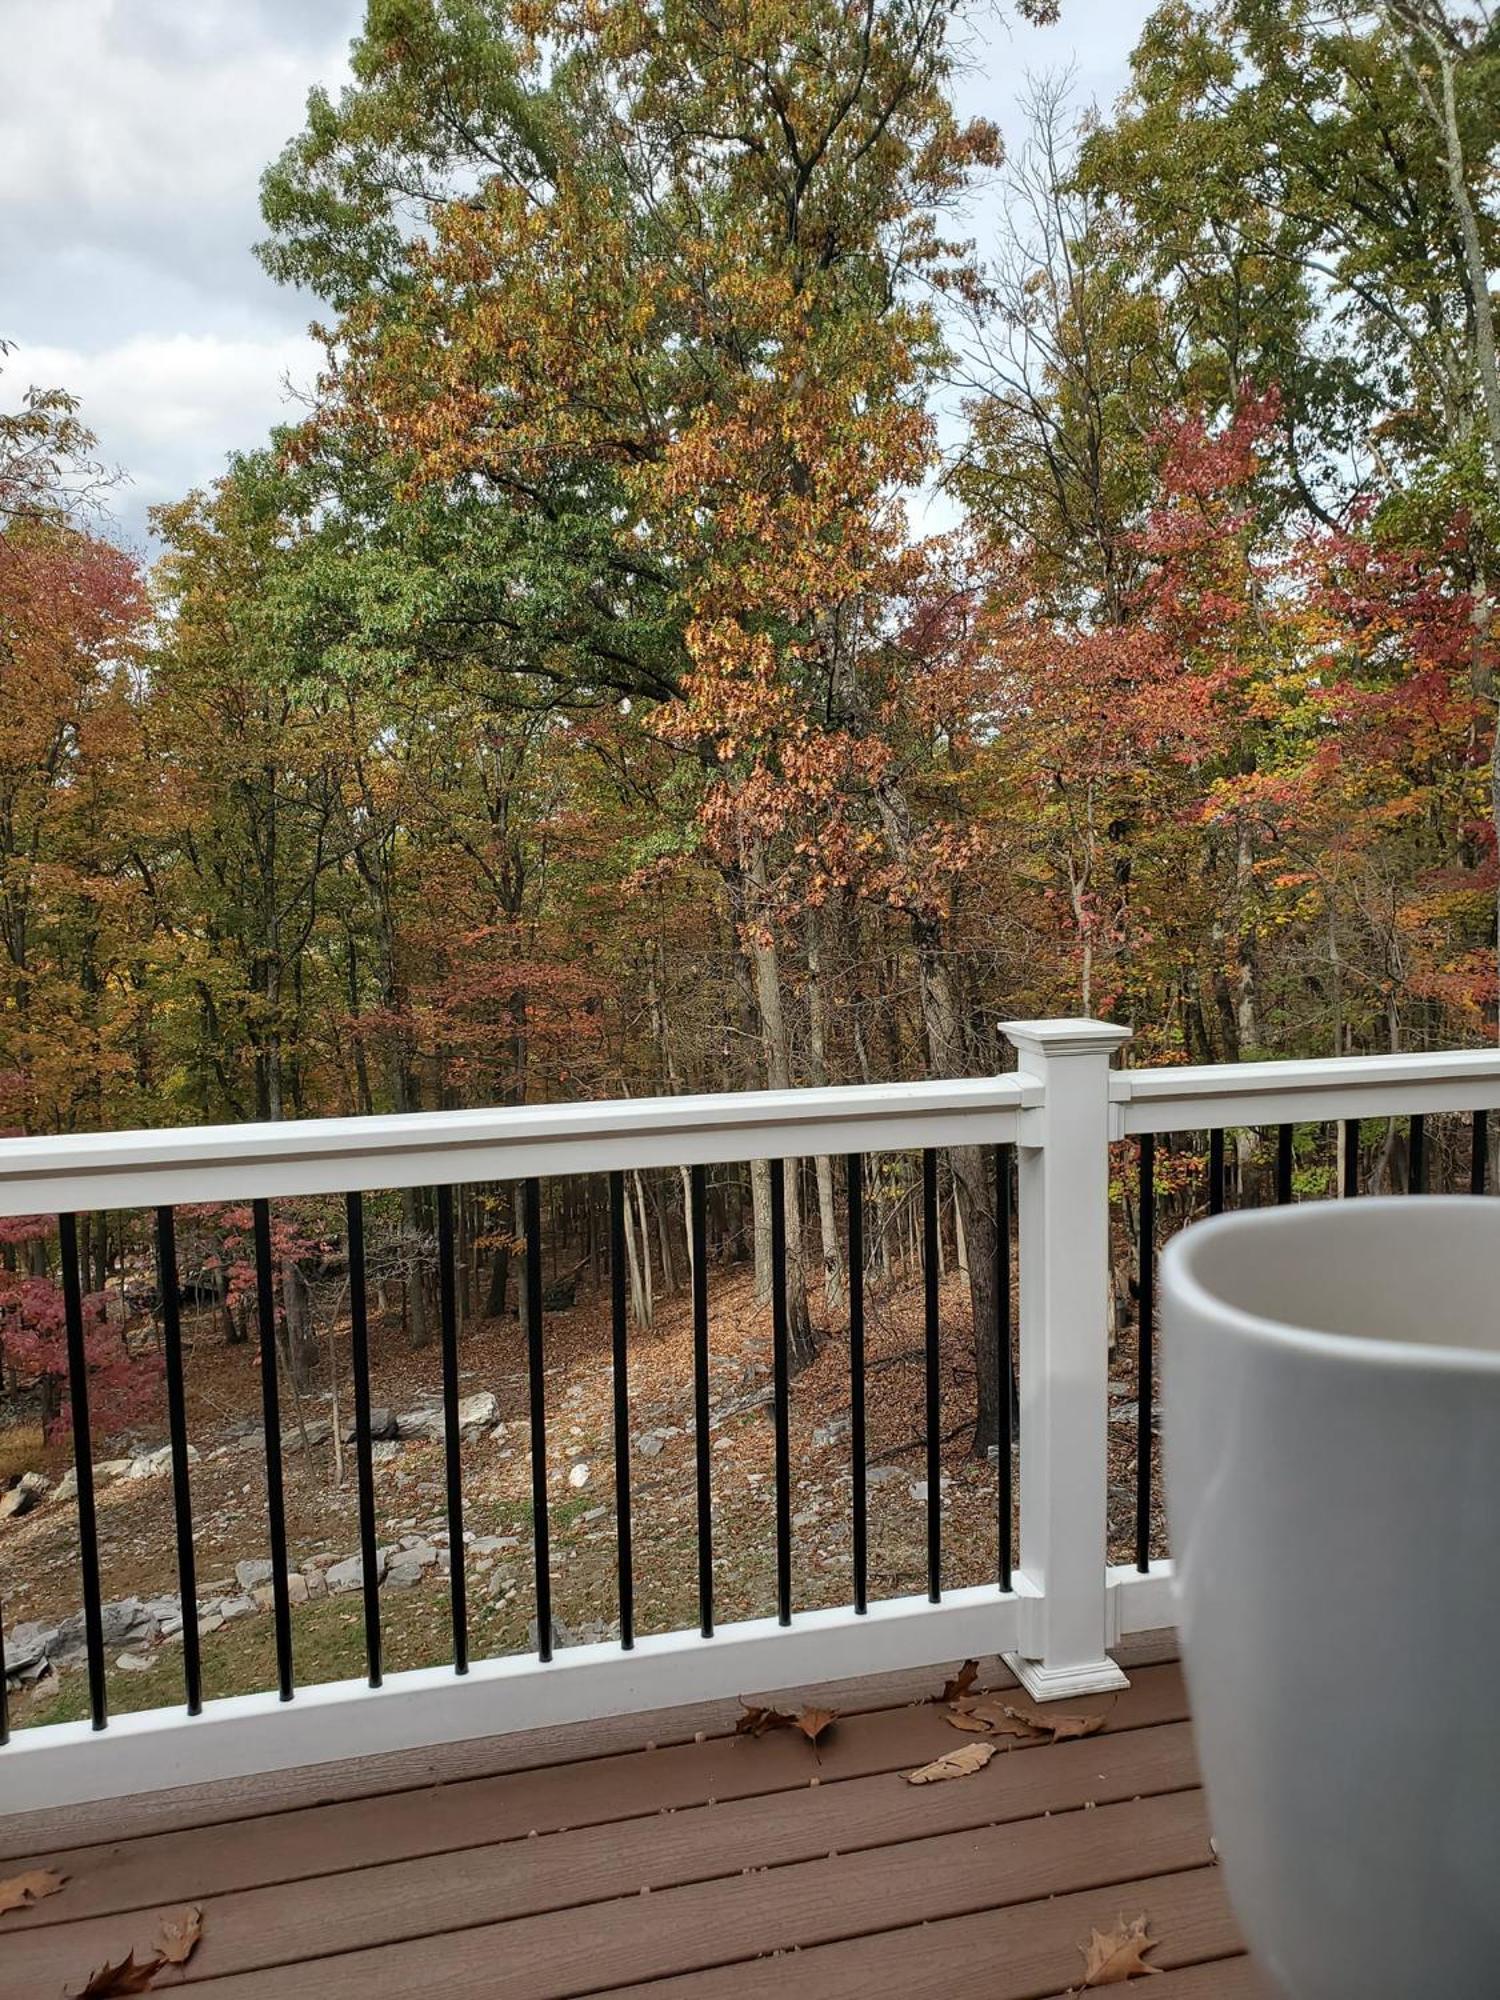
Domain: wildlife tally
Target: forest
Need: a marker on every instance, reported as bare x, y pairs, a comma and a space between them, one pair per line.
723, 623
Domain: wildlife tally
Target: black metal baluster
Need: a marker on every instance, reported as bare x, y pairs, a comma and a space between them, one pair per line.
531, 1200
4, 1700
1416, 1155
1351, 1157
1283, 1165
617, 1276
854, 1181
359, 1355
780, 1362
930, 1360
270, 1405
1479, 1153
458, 1580
1004, 1386
1146, 1326
1216, 1172
83, 1467
182, 1489
698, 1230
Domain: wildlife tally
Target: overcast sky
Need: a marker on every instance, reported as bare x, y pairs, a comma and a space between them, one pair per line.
132, 140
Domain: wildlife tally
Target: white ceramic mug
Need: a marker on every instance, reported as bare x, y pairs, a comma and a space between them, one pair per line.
1332, 1408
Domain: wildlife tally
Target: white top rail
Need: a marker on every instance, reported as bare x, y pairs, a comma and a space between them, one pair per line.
218, 1163
1286, 1093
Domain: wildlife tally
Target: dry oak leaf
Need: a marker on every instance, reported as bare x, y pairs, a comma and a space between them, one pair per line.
128, 1975
954, 1764
19, 1892
814, 1721
973, 1720
993, 1718
962, 1681
756, 1721
1061, 1728
1112, 1957
178, 1937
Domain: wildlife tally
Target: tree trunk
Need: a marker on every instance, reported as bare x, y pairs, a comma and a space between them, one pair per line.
765, 961
833, 1259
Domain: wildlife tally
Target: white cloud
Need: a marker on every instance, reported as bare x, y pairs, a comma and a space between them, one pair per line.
131, 148
167, 408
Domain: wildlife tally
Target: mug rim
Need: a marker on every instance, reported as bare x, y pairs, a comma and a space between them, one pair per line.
1182, 1282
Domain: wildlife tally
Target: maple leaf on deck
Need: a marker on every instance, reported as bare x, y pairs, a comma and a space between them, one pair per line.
179, 1935
810, 1722
1112, 1957
814, 1721
19, 1892
962, 1681
954, 1764
126, 1976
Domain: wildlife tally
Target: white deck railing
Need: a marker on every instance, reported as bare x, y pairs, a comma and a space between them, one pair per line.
1068, 1606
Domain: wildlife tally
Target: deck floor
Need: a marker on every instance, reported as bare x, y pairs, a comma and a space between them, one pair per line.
692, 1870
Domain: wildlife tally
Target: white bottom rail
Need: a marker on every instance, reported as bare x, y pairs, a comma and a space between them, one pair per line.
242, 1736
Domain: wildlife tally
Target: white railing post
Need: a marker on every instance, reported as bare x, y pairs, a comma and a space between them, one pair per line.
1064, 1240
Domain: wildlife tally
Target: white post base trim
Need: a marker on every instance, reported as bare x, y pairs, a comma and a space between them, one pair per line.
1139, 1600
1044, 1683
68, 1763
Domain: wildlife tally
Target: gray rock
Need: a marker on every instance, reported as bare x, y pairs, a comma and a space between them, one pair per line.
319, 1431
122, 1621
249, 1574
562, 1635
383, 1450
477, 1412
213, 1622
152, 1464
883, 1475
232, 1608
403, 1574
15, 1503
161, 1608
489, 1545
27, 1649
649, 1446
830, 1433
383, 1425
426, 1424
134, 1663
350, 1574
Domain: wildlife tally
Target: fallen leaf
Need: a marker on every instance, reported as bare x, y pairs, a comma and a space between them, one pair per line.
113, 1982
1112, 1957
1058, 1728
972, 1720
1066, 1727
814, 1721
955, 1764
756, 1721
962, 1681
178, 1937
994, 1718
19, 1892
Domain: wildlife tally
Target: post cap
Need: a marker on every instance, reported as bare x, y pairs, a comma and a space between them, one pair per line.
1066, 1035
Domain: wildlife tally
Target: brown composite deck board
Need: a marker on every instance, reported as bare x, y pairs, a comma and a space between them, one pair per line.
415, 1898
720, 1868
649, 1937
329, 1839
1031, 1952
